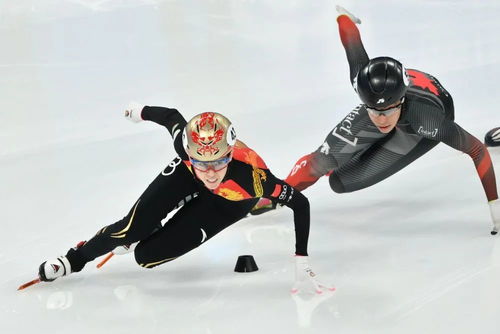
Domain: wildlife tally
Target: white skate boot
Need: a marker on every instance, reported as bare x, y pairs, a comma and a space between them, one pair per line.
342, 11
55, 268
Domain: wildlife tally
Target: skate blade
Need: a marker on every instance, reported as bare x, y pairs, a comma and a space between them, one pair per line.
26, 285
106, 259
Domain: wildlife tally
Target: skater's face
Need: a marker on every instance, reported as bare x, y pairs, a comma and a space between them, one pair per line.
211, 178
211, 173
385, 120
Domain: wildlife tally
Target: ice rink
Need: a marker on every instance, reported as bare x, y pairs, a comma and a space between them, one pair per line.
412, 254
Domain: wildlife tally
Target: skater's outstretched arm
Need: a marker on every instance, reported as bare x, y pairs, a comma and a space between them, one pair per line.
168, 117
458, 138
283, 193
433, 124
453, 135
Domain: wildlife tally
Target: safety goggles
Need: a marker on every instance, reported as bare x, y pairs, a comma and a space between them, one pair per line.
386, 112
215, 165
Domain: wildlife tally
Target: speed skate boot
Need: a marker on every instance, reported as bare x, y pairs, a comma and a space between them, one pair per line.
58, 267
342, 11
492, 138
55, 268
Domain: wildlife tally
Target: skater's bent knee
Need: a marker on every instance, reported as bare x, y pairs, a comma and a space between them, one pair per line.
336, 184
147, 258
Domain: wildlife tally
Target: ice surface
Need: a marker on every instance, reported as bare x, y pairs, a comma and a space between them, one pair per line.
412, 254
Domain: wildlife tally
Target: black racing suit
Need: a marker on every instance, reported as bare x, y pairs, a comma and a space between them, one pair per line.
203, 213
356, 155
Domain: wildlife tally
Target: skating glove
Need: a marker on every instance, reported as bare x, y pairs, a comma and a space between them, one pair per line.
305, 276
495, 215
133, 112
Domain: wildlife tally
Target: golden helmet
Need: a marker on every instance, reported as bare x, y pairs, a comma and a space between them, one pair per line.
208, 136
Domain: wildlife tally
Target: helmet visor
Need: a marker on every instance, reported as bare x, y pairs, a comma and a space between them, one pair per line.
387, 111
215, 165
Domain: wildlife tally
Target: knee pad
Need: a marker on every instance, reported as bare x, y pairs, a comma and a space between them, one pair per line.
336, 184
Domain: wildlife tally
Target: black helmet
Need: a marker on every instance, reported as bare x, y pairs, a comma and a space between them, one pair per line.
381, 82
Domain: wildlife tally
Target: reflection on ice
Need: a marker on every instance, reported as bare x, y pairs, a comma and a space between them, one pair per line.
60, 300
307, 304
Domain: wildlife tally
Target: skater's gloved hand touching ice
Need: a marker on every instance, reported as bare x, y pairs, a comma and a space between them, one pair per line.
495, 215
305, 277
133, 112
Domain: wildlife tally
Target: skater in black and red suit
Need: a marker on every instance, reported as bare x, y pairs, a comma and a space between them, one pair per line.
403, 115
215, 181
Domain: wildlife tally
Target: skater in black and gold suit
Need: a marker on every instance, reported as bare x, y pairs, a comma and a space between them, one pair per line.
215, 181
